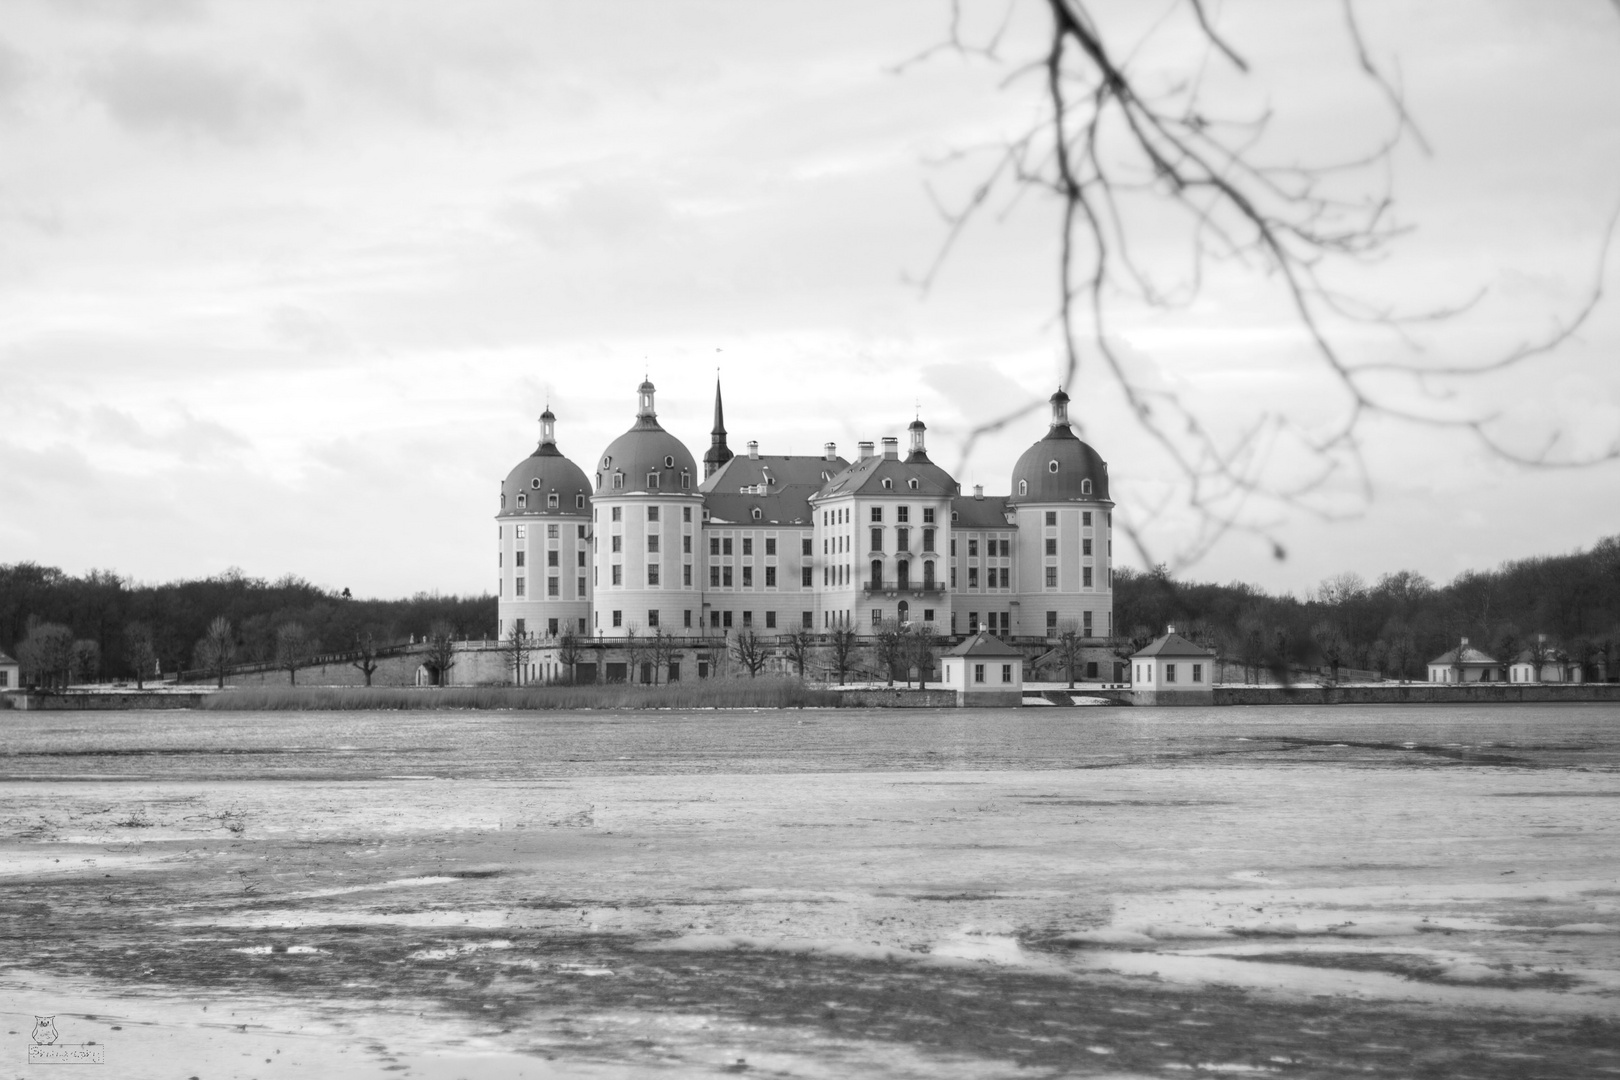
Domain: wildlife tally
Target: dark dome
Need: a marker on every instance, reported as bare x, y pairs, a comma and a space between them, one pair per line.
1058, 467
545, 472
643, 450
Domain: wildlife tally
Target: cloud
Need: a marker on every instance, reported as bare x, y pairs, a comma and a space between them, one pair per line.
147, 92
188, 438
13, 71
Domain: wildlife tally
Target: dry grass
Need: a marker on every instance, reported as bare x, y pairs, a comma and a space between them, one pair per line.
706, 694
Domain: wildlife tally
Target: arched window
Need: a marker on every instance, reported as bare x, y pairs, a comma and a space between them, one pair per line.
1023, 487
1051, 466
877, 573
579, 502
1085, 487
551, 501
912, 483
757, 513
928, 574
686, 480
598, 479
888, 484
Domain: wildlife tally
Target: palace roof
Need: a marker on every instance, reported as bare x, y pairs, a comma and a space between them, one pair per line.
777, 485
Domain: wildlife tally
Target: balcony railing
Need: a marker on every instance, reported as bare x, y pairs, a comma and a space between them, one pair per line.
910, 588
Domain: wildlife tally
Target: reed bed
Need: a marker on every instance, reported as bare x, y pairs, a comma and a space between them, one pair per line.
707, 694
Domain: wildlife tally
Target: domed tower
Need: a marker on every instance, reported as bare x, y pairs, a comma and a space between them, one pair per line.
544, 535
647, 515
1065, 545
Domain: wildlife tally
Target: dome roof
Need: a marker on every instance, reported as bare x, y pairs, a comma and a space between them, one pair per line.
643, 451
528, 487
1059, 467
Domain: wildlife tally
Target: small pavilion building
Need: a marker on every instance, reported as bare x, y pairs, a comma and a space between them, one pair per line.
1464, 664
10, 672
1173, 671
1555, 667
985, 672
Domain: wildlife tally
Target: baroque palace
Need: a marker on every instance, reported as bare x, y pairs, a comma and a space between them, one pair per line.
641, 544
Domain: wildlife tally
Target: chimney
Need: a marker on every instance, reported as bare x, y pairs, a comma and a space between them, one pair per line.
891, 447
753, 448
1465, 641
831, 450
978, 491
1170, 629
866, 449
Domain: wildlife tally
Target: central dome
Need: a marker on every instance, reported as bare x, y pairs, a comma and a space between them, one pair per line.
545, 482
1059, 467
646, 458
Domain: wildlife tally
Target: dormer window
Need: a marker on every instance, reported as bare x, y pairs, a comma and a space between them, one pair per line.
888, 484
551, 501
607, 462
1023, 489
579, 502
758, 513
1051, 466
652, 479
705, 513
523, 500
912, 483
503, 500
686, 480
1085, 487
618, 480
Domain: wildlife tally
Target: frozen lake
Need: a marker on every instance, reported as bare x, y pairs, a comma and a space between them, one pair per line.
1322, 892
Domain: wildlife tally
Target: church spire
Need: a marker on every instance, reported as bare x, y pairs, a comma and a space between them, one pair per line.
718, 453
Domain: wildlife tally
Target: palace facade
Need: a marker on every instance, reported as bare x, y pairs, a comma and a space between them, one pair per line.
641, 542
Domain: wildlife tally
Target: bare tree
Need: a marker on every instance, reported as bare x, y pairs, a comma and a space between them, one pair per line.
1402, 648
750, 651
661, 647
367, 646
140, 652
1119, 143
889, 646
1540, 654
1069, 645
568, 652
295, 646
46, 655
440, 654
846, 646
635, 651
216, 649
1331, 644
920, 646
799, 642
516, 648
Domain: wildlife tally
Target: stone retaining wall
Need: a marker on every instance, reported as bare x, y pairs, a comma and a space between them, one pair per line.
899, 698
132, 700
1416, 693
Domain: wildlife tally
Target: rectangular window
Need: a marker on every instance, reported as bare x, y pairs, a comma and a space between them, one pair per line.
725, 619
748, 545
928, 515
687, 618
618, 482
579, 587
1085, 622
520, 626
725, 546
714, 545
928, 540
973, 577
652, 617
978, 673
581, 529
686, 574
652, 541
579, 559
725, 576
1006, 578
1198, 673
770, 545
973, 549
1091, 669
806, 621
618, 574
714, 577
770, 577
973, 622
618, 618
686, 515
1051, 517
902, 539
748, 577
1085, 518
553, 587
521, 531
807, 550
617, 514
1051, 577
902, 513
652, 573
770, 620
1085, 576
616, 543
1006, 673
686, 544
877, 539
551, 532
805, 576
520, 555
551, 558
1085, 546
928, 614
877, 616
877, 513
652, 480
517, 587
1051, 623
652, 515
953, 577
1051, 545
1006, 549
551, 627
1169, 673
714, 620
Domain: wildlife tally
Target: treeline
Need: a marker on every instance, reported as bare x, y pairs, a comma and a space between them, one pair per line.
97, 610
1397, 624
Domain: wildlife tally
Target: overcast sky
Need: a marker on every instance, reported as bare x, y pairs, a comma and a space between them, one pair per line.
285, 286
